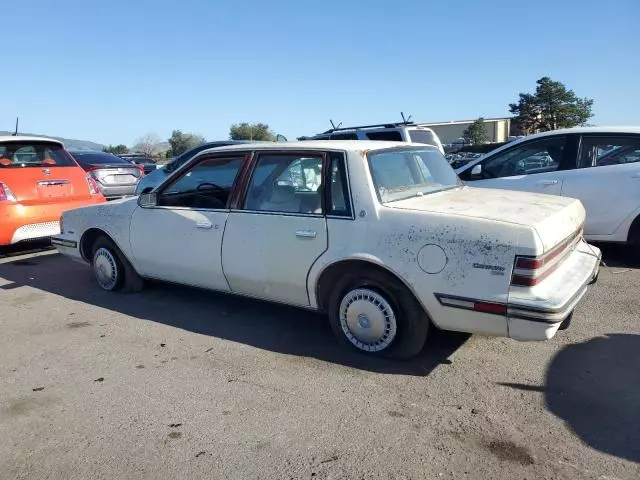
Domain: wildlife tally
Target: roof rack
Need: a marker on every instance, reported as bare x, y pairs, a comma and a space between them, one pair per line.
361, 127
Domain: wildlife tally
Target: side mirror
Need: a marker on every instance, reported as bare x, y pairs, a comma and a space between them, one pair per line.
146, 200
476, 171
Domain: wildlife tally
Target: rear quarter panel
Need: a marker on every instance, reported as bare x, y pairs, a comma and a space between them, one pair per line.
430, 253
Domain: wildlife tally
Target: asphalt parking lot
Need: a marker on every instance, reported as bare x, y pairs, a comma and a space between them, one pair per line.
181, 383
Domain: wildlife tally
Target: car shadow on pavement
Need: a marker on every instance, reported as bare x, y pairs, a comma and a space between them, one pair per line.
619, 256
594, 387
260, 324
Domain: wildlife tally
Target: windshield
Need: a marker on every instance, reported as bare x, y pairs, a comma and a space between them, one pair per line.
34, 154
86, 159
401, 173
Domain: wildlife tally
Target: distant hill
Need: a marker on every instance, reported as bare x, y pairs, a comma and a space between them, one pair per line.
70, 143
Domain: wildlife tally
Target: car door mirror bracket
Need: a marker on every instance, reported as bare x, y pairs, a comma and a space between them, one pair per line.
147, 200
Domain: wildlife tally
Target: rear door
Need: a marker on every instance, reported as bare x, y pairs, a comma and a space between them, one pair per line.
607, 182
538, 165
279, 231
41, 172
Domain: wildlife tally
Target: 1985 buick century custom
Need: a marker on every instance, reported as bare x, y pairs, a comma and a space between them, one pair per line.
381, 236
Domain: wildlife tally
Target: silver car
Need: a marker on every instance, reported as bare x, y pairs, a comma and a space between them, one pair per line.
115, 176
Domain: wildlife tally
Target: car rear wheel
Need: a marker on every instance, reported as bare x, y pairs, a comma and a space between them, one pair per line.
112, 270
376, 314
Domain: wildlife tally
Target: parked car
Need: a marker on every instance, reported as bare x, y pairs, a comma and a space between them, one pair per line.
392, 132
148, 164
116, 177
38, 181
600, 166
389, 244
153, 179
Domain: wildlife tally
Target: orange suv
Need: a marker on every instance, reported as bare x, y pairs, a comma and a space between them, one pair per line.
38, 181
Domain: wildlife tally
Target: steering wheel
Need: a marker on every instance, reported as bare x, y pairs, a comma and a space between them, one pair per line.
206, 200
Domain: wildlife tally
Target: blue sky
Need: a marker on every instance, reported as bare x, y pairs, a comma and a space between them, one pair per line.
113, 70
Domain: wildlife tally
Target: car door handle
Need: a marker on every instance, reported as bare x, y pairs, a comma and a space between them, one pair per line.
547, 182
636, 175
204, 225
306, 233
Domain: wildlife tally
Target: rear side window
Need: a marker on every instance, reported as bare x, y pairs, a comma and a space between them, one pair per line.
607, 150
388, 135
99, 158
34, 154
423, 136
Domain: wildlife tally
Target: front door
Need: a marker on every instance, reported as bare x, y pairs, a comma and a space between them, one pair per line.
180, 239
271, 242
535, 166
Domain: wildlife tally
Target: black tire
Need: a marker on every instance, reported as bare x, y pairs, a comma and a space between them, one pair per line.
124, 278
412, 322
633, 240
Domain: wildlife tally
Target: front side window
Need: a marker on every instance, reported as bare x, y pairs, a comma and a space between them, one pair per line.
607, 150
532, 157
206, 185
34, 154
401, 173
387, 135
286, 183
343, 136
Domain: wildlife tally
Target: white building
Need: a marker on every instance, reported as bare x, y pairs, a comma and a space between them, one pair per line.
497, 129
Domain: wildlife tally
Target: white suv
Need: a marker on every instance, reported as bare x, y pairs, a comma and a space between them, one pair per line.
393, 132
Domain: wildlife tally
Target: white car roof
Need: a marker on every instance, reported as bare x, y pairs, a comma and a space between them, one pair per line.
561, 131
349, 145
24, 138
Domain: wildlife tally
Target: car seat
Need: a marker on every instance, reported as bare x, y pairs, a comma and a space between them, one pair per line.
283, 198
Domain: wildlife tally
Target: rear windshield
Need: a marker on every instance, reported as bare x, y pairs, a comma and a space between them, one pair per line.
34, 154
401, 173
98, 158
423, 136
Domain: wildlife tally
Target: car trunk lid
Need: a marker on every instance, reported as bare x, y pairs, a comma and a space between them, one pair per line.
554, 218
115, 174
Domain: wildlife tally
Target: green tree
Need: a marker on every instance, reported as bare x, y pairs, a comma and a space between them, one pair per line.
259, 132
552, 106
116, 149
476, 133
181, 142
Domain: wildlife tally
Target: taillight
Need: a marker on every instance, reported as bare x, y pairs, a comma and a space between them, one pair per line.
6, 195
529, 271
93, 186
141, 168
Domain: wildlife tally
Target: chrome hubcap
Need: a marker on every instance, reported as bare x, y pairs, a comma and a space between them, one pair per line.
367, 320
105, 269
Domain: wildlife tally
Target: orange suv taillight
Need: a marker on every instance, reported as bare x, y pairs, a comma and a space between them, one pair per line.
93, 185
6, 195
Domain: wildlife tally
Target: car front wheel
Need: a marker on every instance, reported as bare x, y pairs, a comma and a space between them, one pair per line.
376, 314
112, 270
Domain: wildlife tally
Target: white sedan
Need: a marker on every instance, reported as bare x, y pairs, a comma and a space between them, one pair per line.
379, 235
600, 166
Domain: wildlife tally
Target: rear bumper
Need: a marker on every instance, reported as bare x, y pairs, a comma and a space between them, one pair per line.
117, 191
536, 313
21, 222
